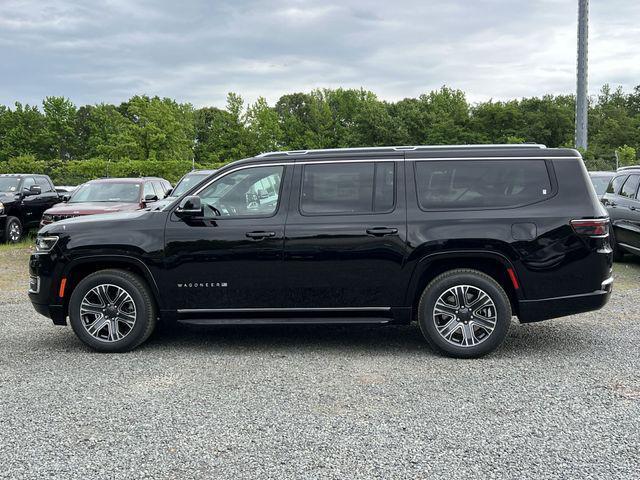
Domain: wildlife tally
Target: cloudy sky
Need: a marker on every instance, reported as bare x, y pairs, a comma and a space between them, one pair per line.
198, 50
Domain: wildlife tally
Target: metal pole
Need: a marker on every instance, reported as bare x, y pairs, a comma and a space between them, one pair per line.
582, 103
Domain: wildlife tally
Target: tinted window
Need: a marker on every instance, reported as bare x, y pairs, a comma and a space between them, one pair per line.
188, 181
616, 183
27, 182
247, 192
348, 188
630, 187
160, 190
44, 184
600, 183
148, 190
481, 183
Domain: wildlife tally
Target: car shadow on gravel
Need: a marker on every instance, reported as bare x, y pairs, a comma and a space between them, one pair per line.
533, 339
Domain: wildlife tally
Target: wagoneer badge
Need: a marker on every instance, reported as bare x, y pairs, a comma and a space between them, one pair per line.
202, 285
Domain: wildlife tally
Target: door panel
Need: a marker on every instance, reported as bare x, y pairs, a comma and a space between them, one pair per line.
335, 258
232, 260
626, 220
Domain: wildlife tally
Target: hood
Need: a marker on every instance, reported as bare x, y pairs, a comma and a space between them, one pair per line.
97, 221
91, 208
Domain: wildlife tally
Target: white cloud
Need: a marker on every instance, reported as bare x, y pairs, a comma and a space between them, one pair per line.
198, 50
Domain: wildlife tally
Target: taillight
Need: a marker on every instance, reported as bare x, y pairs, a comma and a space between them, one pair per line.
596, 227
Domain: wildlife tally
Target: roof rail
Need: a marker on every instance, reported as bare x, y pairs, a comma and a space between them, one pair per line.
628, 167
404, 148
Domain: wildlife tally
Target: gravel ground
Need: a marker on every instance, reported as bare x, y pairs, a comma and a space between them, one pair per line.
561, 399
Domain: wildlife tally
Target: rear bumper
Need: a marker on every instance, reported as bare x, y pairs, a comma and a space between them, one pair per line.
547, 308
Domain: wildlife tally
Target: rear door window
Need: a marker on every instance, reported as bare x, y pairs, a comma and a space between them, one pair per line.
478, 184
630, 187
344, 188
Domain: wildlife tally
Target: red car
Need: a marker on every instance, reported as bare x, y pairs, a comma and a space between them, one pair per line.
108, 195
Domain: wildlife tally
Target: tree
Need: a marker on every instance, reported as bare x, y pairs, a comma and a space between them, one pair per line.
160, 129
60, 119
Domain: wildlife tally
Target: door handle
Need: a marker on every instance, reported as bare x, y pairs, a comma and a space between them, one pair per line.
380, 231
632, 207
259, 235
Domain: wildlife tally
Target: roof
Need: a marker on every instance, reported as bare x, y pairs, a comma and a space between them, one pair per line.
20, 175
405, 148
124, 180
602, 173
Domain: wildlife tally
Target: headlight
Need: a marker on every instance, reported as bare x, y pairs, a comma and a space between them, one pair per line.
1, 208
45, 244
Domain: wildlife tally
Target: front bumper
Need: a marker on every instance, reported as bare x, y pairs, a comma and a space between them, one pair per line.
44, 283
55, 312
3, 225
547, 308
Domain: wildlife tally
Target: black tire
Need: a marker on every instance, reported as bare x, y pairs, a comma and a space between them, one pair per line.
13, 232
464, 322
140, 296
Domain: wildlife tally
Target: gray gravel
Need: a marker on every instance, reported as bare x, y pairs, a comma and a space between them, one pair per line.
561, 399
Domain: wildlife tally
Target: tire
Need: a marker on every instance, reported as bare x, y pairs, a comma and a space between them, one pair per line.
457, 330
112, 311
13, 231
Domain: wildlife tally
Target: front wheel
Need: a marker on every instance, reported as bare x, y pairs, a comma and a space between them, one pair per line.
13, 231
464, 313
112, 311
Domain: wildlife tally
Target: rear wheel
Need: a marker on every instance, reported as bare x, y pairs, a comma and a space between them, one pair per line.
464, 313
13, 231
112, 311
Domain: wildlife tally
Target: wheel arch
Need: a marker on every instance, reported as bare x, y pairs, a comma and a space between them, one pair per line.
80, 268
494, 264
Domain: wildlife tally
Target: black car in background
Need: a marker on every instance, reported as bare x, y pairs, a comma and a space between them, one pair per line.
601, 181
622, 202
23, 200
458, 239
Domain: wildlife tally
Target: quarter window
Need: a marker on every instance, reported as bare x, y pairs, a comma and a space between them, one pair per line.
468, 184
252, 192
630, 187
348, 188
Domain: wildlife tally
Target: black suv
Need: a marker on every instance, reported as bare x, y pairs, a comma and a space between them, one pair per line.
457, 238
23, 200
623, 204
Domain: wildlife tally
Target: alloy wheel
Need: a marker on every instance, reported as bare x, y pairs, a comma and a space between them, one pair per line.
465, 315
108, 312
15, 232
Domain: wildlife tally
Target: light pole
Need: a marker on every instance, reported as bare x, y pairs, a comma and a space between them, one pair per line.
582, 103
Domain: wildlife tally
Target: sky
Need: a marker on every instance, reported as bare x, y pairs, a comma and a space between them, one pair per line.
198, 50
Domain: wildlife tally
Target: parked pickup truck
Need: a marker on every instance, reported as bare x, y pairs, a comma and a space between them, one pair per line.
23, 200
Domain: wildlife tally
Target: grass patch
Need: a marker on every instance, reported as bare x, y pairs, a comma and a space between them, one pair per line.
14, 265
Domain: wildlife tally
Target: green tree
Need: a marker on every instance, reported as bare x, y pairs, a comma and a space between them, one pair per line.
160, 129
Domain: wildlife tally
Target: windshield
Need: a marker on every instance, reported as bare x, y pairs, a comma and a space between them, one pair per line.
126, 192
601, 184
9, 184
188, 181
